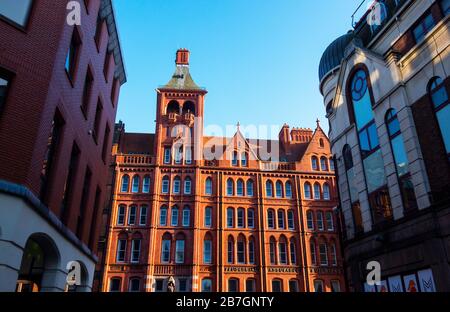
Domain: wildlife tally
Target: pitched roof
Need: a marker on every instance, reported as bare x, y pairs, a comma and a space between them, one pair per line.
182, 80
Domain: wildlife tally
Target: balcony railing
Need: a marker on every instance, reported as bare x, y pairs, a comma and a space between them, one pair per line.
134, 159
173, 270
274, 166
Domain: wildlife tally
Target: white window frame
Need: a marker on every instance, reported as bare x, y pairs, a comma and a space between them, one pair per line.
121, 248
143, 215
135, 250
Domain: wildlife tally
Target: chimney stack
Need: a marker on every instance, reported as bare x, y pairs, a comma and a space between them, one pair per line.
182, 57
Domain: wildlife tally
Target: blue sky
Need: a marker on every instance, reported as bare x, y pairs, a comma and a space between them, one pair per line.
258, 59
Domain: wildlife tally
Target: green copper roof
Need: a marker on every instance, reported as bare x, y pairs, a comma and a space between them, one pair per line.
182, 80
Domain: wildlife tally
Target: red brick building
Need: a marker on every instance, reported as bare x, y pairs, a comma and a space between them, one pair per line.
216, 213
59, 86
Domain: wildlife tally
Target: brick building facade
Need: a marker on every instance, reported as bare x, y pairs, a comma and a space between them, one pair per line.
214, 213
59, 86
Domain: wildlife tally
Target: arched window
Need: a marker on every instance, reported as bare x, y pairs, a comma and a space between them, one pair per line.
115, 284
244, 161
234, 160
179, 249
307, 190
314, 163
324, 164
269, 188
320, 220
362, 115
230, 217
135, 285
121, 248
135, 185
174, 218
271, 219
293, 251
396, 138
188, 108
333, 254
281, 219
188, 156
230, 187
165, 185
401, 160
282, 250
173, 107
279, 189
163, 216
251, 251
310, 220
208, 186
186, 216
291, 223
326, 191
230, 250
329, 221
187, 186
318, 286
332, 164
250, 187
321, 143
146, 185
177, 185
136, 248
240, 188
178, 153
206, 285
272, 250
288, 191
250, 285
132, 215
312, 248
317, 191
251, 218
323, 253
165, 248
241, 218
277, 285
143, 215
207, 250
208, 217
125, 183
241, 243
121, 214
167, 155
233, 285
293, 285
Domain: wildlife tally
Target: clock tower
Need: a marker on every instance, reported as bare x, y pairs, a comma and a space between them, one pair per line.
179, 117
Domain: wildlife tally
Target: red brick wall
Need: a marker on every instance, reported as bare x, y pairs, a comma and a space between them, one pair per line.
41, 86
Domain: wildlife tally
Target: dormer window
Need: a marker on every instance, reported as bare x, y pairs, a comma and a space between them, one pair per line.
234, 160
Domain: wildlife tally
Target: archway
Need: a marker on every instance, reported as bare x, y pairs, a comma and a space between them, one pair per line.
40, 256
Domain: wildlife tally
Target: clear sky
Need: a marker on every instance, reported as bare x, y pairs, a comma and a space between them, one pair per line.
258, 59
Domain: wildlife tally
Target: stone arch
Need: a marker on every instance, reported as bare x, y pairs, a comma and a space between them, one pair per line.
40, 264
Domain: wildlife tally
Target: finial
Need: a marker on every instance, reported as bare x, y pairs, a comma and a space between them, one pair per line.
238, 126
318, 123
